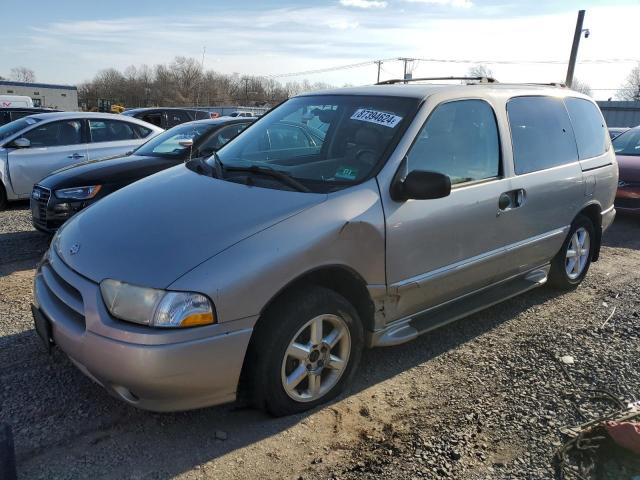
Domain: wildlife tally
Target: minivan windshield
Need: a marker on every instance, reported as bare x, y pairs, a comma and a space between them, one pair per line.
167, 144
628, 143
14, 127
324, 142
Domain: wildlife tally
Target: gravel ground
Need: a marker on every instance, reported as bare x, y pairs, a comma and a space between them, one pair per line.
483, 398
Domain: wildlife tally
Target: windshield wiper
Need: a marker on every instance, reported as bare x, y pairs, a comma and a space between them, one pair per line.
277, 174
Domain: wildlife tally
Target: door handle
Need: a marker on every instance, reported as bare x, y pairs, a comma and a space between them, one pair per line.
510, 200
75, 155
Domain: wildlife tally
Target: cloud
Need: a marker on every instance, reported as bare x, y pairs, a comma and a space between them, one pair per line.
363, 3
452, 3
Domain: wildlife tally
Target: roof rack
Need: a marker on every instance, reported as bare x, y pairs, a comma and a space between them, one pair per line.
399, 80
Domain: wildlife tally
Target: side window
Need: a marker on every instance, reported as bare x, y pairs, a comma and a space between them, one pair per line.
220, 138
176, 117
19, 114
110, 131
282, 136
588, 127
541, 133
154, 118
459, 139
68, 132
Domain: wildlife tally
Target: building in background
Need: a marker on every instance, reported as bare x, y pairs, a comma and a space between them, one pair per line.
620, 113
61, 97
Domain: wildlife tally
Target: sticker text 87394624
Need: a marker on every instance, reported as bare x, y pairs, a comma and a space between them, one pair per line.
379, 118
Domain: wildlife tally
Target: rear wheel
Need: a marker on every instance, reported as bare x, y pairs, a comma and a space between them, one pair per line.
306, 350
571, 263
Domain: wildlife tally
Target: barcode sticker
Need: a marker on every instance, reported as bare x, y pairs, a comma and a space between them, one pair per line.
379, 118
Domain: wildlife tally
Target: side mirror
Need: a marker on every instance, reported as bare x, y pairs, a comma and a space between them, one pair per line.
20, 143
186, 143
421, 185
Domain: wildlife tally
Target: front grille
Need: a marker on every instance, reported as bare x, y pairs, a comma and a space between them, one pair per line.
67, 298
627, 203
43, 202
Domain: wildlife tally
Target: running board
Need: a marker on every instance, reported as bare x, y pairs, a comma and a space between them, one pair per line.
407, 329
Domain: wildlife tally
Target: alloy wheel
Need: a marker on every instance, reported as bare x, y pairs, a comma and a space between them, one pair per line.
316, 358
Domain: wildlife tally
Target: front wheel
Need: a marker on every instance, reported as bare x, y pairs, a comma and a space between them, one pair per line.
571, 263
3, 197
305, 352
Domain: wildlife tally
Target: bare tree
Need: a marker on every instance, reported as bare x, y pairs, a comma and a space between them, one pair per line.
631, 88
480, 70
23, 74
581, 87
183, 83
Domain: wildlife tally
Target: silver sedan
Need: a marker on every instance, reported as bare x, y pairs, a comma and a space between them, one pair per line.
33, 147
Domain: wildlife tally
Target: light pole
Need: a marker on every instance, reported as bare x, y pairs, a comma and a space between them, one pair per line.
574, 47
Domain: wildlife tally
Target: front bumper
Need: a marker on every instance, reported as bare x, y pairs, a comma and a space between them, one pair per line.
153, 369
48, 213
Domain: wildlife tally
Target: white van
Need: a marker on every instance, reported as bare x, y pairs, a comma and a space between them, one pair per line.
8, 101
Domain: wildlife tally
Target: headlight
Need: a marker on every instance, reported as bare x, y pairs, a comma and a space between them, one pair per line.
156, 308
78, 193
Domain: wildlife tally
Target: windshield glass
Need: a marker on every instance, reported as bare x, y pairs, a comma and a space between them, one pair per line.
167, 144
628, 143
11, 128
324, 142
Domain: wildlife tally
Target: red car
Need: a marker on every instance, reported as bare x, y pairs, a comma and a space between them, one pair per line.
627, 148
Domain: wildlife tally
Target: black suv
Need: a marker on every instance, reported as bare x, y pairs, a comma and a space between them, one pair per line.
168, 117
10, 114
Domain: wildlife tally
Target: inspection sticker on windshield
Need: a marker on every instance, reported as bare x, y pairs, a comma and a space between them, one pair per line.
379, 118
347, 173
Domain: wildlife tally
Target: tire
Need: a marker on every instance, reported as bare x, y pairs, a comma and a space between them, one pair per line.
3, 197
566, 274
270, 361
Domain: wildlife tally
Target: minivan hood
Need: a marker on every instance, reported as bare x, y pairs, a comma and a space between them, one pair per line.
155, 230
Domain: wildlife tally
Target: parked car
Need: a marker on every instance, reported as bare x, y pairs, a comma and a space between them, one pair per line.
64, 193
615, 131
241, 113
13, 113
627, 148
421, 204
168, 117
33, 147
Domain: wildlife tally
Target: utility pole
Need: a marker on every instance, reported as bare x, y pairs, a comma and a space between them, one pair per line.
204, 49
246, 91
574, 48
406, 76
379, 63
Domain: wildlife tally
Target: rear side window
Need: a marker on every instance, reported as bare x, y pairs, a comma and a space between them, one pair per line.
541, 133
459, 139
141, 131
176, 117
588, 127
111, 131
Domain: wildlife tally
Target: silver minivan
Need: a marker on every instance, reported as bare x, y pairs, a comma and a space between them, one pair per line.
345, 219
32, 147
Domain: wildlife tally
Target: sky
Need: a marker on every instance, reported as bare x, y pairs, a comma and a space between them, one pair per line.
69, 41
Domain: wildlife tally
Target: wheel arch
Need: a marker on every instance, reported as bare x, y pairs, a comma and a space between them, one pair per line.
339, 278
